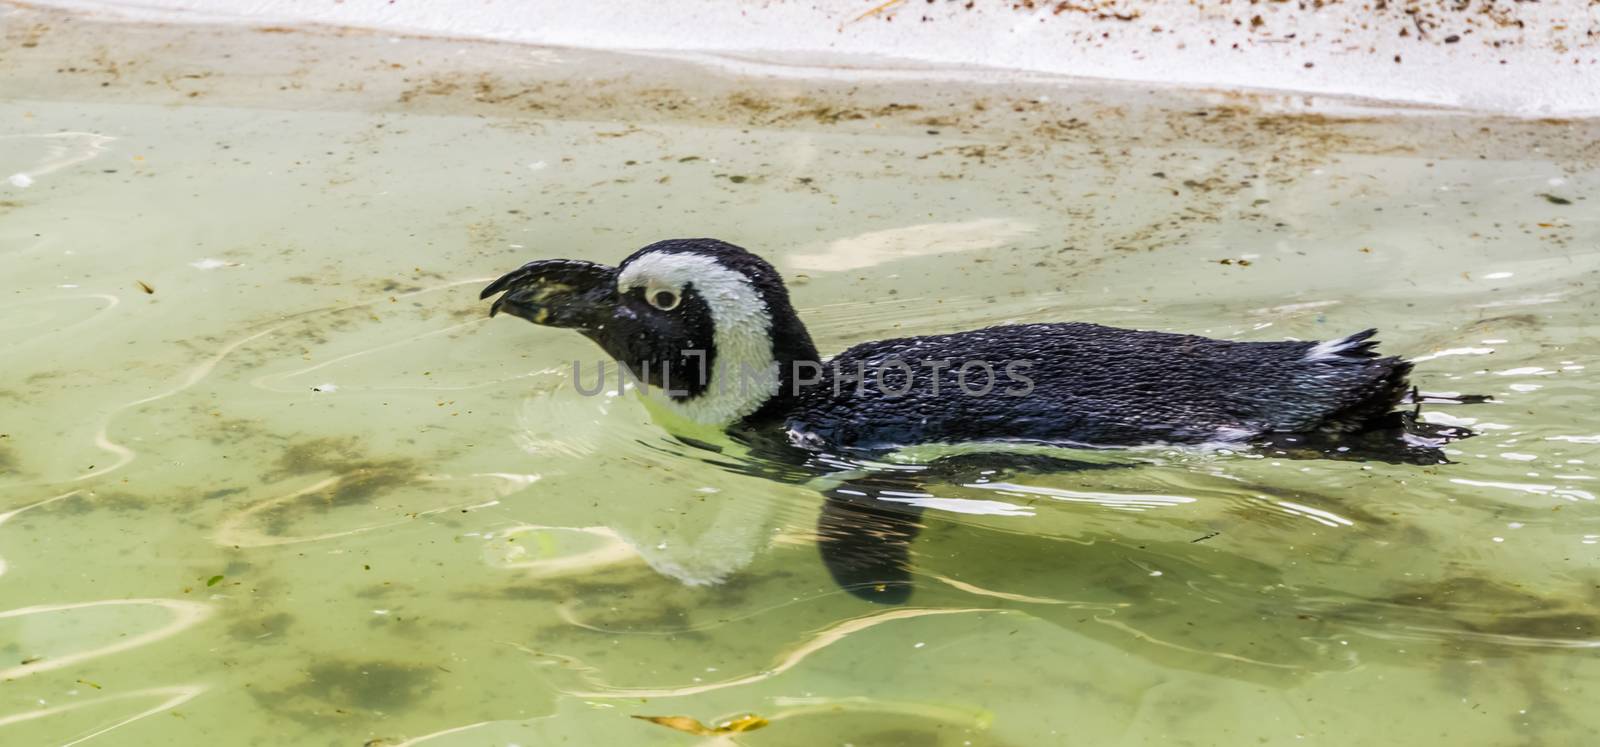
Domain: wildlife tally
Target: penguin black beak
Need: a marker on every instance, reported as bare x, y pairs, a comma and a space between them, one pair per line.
568, 293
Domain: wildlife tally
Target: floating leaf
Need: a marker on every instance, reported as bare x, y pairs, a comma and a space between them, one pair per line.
214, 580
681, 723
747, 722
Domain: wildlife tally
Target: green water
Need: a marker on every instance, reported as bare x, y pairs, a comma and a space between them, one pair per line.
305, 492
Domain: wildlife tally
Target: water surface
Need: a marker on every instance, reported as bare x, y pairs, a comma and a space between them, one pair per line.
269, 475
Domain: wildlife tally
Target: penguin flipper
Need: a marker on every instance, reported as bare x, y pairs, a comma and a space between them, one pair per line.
866, 544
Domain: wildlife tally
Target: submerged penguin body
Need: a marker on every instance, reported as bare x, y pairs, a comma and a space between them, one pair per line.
1080, 384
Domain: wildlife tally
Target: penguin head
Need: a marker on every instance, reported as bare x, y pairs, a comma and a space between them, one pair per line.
706, 325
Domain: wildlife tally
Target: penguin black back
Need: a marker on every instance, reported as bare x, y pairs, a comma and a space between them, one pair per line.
1089, 385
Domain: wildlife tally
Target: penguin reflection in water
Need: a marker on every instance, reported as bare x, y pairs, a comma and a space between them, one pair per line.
708, 330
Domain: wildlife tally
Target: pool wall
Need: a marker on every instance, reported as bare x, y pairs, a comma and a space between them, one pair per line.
1501, 56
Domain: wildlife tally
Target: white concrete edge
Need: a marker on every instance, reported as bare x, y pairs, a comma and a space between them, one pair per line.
1530, 60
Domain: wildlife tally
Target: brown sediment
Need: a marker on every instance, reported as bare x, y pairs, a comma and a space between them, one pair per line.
335, 689
425, 76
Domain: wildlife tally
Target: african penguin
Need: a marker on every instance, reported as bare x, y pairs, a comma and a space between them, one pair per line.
709, 329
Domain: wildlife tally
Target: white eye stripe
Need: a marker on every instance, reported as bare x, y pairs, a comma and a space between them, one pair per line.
742, 336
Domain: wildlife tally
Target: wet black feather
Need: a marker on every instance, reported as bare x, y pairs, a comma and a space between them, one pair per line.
1098, 386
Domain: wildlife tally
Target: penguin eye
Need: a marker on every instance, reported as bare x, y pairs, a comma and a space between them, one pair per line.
663, 299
